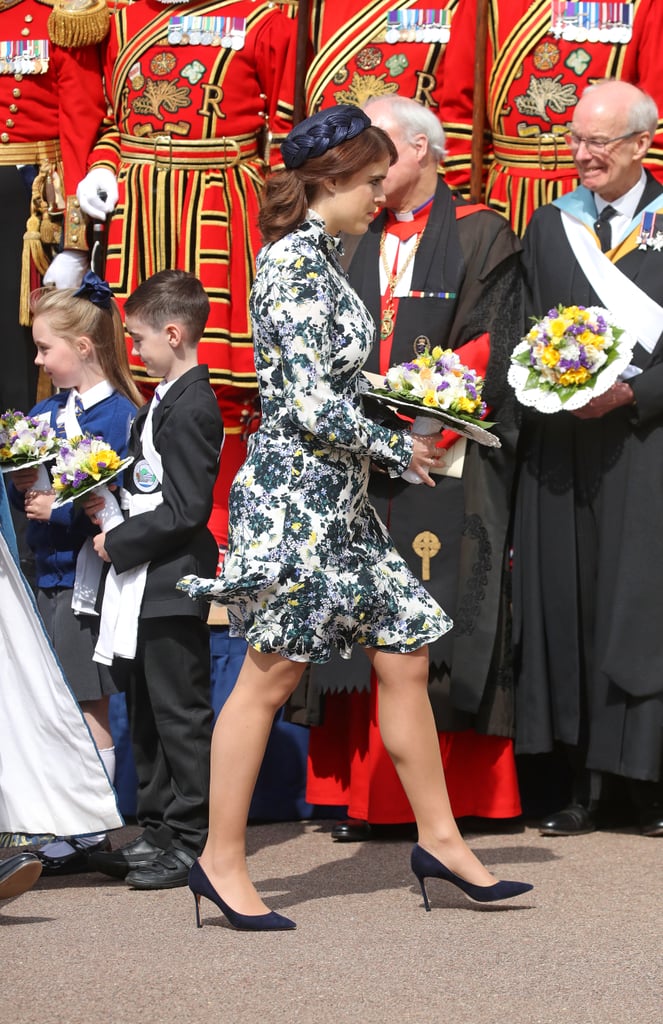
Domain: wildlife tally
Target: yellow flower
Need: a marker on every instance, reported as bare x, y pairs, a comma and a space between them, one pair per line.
467, 404
102, 462
579, 376
558, 327
549, 356
430, 399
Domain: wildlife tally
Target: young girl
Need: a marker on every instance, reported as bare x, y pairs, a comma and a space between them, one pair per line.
80, 345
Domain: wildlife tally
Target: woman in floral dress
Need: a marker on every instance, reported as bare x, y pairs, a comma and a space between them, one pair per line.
309, 565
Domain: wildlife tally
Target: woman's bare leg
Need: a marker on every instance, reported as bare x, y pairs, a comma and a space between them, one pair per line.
408, 732
240, 736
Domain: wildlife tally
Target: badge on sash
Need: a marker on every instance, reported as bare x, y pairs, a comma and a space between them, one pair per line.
145, 479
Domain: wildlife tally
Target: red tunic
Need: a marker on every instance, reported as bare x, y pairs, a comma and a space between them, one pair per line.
533, 82
188, 142
65, 102
353, 61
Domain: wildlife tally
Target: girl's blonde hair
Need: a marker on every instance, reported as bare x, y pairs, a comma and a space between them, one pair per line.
70, 317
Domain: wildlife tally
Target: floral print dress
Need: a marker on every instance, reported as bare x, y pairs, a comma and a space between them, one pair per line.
309, 563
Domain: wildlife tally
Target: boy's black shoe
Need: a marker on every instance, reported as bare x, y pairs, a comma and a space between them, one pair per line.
118, 863
169, 871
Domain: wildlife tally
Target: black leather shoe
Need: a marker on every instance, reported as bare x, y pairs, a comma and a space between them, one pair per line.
574, 820
120, 862
355, 831
75, 862
18, 874
352, 831
169, 871
651, 822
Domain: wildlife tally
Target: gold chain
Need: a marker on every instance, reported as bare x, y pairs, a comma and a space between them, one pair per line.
393, 280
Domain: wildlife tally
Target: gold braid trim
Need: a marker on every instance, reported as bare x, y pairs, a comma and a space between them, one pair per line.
78, 22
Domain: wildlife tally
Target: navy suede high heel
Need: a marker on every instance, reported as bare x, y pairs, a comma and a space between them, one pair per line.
200, 885
424, 865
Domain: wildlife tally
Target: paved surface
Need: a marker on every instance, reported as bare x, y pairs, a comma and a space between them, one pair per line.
585, 947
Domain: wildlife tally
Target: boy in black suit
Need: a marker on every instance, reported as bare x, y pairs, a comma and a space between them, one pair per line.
175, 442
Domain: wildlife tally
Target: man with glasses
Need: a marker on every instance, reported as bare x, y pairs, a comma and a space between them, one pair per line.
539, 56
588, 543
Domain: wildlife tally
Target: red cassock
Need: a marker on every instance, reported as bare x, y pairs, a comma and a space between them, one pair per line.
196, 89
534, 79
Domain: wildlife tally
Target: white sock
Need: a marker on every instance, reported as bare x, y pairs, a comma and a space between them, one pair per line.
107, 755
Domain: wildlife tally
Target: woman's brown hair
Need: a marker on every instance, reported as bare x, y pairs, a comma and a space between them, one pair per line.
287, 194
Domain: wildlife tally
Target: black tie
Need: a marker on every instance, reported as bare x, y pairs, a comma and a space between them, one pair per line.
603, 229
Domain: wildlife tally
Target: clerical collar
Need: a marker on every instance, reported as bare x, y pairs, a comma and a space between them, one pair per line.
627, 204
411, 214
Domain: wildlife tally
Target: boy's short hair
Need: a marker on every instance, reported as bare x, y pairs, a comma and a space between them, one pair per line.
171, 296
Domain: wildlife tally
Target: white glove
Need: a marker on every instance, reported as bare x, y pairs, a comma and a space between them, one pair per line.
97, 193
68, 269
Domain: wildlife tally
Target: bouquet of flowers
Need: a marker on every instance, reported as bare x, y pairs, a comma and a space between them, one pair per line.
27, 441
85, 464
435, 386
569, 356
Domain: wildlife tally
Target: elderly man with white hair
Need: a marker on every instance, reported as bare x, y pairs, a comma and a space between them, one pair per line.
588, 541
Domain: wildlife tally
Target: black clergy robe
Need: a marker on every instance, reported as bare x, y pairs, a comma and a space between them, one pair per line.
588, 542
472, 252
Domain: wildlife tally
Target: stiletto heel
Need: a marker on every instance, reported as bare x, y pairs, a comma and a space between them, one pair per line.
425, 865
424, 894
200, 885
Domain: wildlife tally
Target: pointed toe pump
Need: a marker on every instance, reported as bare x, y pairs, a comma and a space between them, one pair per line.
200, 885
424, 865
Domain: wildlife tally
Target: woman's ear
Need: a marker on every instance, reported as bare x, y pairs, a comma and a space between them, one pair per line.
329, 184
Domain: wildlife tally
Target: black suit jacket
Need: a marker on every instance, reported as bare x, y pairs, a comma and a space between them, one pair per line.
174, 537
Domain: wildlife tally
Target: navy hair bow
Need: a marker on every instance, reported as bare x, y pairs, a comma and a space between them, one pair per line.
96, 290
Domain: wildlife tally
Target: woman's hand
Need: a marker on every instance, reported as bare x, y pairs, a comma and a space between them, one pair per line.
425, 456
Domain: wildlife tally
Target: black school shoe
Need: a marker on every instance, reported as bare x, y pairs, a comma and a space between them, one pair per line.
168, 871
18, 874
73, 863
118, 863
